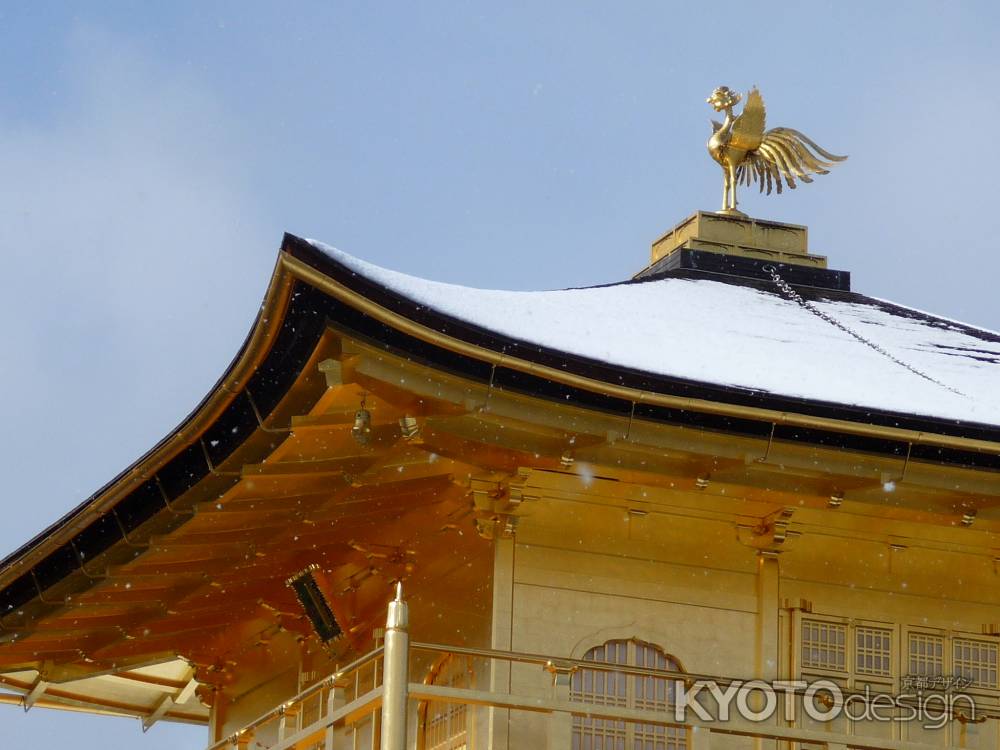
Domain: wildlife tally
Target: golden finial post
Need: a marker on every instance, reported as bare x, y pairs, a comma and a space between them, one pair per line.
396, 673
747, 153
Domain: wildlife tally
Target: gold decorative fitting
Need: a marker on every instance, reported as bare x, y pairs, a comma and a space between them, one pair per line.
770, 534
747, 153
409, 428
498, 527
497, 500
963, 718
562, 672
362, 429
778, 526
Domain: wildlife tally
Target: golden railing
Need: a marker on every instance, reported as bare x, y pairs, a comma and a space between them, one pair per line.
308, 719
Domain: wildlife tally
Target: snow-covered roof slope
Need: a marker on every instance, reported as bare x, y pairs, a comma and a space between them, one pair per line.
741, 335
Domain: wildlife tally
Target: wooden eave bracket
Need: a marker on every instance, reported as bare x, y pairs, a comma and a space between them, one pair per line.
497, 500
770, 534
338, 372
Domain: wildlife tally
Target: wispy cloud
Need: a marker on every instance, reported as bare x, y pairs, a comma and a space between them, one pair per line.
134, 261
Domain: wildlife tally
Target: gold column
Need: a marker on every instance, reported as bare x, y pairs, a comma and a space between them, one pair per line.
768, 635
396, 674
767, 615
503, 630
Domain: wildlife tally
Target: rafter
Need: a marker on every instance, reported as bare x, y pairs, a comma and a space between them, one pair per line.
36, 692
324, 467
64, 697
167, 702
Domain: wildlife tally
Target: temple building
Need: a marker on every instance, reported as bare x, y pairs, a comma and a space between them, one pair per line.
418, 515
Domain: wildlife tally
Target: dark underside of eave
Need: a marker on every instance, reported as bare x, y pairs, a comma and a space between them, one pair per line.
311, 311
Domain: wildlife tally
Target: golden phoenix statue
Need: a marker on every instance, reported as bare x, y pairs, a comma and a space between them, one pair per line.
748, 154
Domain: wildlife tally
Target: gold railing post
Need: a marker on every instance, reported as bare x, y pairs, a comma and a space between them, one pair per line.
560, 724
700, 738
395, 674
282, 723
288, 714
331, 706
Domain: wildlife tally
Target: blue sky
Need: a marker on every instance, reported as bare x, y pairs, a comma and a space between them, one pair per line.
151, 155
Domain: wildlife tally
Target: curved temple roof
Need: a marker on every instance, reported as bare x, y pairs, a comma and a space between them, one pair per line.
684, 346
738, 335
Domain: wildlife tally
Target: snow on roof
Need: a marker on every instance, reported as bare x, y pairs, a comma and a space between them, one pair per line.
739, 335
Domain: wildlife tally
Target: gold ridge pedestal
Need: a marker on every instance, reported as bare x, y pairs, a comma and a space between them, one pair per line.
739, 236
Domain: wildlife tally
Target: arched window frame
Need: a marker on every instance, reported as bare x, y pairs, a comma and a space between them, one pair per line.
627, 691
450, 670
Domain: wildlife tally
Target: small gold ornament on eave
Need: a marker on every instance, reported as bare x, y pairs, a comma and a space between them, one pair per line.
748, 154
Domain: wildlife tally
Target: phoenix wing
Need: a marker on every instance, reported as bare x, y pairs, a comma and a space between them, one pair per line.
784, 153
748, 128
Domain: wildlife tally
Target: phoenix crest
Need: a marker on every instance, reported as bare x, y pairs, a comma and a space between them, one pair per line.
750, 154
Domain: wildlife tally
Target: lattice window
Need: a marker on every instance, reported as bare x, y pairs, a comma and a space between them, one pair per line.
446, 724
975, 661
873, 651
609, 688
824, 645
926, 655
604, 689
